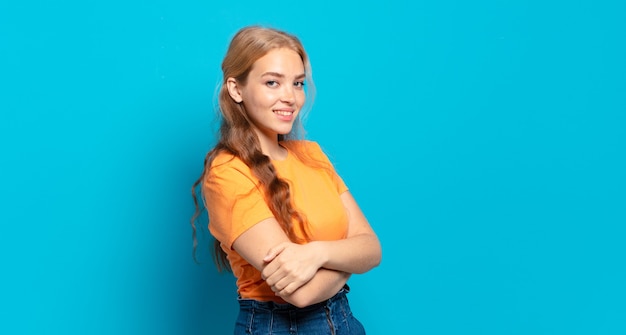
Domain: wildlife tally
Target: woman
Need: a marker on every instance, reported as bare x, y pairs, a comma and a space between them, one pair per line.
283, 220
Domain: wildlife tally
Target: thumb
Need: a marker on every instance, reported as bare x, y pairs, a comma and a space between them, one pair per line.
273, 252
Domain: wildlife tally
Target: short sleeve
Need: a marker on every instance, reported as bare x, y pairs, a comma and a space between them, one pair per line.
233, 199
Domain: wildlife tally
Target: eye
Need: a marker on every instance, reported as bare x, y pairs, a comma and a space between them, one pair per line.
299, 84
271, 83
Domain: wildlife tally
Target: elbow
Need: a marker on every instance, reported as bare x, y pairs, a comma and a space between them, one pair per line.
374, 259
379, 256
302, 303
299, 300
371, 263
376, 254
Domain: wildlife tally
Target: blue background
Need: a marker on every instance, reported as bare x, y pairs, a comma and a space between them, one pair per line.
485, 141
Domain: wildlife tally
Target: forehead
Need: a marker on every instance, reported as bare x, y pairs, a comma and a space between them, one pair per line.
281, 60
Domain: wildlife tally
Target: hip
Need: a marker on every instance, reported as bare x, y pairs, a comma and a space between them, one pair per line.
333, 317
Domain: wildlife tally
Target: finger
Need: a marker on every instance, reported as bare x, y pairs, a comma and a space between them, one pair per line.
267, 272
275, 277
288, 290
276, 288
269, 269
280, 285
273, 252
271, 281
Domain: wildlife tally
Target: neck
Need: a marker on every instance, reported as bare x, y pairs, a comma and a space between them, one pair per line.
270, 146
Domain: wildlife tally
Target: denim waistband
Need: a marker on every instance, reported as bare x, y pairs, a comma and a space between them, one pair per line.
274, 306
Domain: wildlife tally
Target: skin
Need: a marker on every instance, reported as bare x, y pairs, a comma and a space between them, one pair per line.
274, 86
300, 274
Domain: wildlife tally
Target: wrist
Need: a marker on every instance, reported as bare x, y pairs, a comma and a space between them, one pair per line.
321, 252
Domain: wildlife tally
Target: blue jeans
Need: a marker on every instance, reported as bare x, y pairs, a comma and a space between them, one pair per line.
332, 317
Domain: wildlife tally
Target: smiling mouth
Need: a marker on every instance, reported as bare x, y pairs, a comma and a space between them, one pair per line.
283, 113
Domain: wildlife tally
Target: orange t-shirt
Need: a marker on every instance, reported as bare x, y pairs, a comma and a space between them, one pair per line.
235, 202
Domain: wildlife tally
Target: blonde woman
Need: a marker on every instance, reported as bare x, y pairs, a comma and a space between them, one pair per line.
284, 222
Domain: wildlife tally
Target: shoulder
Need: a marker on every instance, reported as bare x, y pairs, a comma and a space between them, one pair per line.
226, 160
227, 166
309, 152
303, 147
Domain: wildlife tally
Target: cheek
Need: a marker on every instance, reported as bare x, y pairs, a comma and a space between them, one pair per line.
264, 99
301, 97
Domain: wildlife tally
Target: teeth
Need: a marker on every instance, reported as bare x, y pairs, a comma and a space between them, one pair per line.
283, 113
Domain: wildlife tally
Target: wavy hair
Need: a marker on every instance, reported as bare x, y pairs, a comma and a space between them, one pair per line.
236, 134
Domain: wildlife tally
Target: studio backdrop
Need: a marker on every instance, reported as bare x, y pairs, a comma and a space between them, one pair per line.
485, 141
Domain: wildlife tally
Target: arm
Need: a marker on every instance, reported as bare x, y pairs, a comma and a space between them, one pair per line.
325, 284
312, 283
309, 273
358, 253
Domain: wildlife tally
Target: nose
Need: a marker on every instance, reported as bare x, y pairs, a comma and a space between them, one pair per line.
289, 94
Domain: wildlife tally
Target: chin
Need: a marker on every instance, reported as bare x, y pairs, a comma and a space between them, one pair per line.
284, 131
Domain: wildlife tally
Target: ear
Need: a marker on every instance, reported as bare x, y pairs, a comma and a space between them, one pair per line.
234, 90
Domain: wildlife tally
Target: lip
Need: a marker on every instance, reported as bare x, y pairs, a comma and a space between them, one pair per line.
284, 114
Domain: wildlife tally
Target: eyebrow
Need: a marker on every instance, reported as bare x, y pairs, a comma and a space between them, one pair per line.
280, 75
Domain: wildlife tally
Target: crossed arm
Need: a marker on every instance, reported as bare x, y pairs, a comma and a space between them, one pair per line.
304, 274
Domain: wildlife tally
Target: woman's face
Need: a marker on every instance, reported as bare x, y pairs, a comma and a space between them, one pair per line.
274, 92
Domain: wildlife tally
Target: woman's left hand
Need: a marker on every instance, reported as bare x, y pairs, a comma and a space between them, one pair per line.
288, 266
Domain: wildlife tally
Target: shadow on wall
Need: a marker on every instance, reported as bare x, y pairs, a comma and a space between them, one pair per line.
215, 302
211, 298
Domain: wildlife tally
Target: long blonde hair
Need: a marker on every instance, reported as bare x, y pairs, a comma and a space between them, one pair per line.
237, 136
